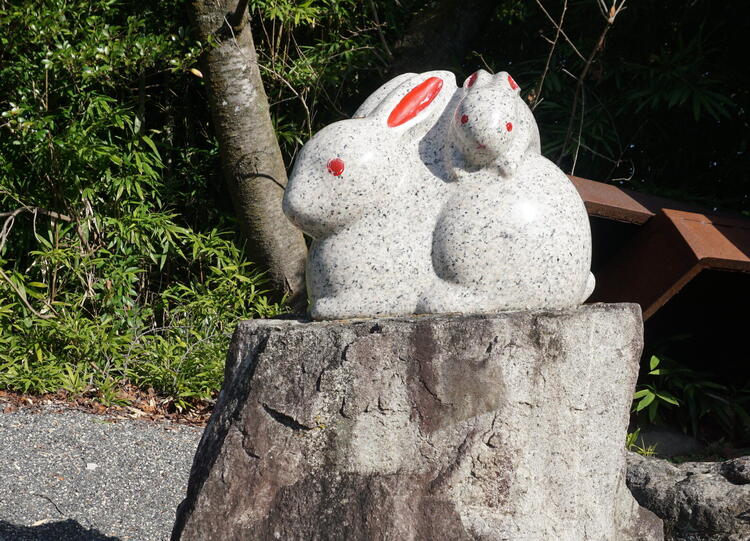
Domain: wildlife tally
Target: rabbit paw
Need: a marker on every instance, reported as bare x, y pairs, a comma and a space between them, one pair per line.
590, 285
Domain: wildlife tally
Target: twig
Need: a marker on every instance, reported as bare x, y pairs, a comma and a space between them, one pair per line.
380, 32
297, 95
569, 74
538, 93
486, 65
7, 226
40, 210
628, 178
580, 130
562, 32
623, 150
545, 38
52, 502
602, 156
247, 60
10, 218
21, 295
614, 10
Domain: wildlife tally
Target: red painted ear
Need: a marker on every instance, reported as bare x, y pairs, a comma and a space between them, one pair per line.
471, 80
415, 101
512, 83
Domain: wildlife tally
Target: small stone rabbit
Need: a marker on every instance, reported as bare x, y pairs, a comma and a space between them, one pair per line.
435, 198
516, 232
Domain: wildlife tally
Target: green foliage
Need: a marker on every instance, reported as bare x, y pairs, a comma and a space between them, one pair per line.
315, 58
631, 444
115, 265
664, 103
650, 397
702, 401
668, 81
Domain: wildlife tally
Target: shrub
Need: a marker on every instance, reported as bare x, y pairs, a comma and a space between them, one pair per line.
116, 263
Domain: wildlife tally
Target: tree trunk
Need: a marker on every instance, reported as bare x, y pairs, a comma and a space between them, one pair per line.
250, 155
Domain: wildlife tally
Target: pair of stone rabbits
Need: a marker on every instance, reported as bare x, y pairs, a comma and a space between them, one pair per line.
436, 199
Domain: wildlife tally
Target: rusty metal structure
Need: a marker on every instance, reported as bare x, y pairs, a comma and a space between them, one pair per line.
673, 243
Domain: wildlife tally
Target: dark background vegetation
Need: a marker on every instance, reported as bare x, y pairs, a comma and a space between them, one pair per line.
120, 264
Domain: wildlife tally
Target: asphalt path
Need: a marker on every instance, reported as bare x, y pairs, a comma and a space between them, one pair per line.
69, 475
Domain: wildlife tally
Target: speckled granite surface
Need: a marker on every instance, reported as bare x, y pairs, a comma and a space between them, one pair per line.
435, 198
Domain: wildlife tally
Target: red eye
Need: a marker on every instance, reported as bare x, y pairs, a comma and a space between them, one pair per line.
336, 166
472, 79
512, 83
464, 119
508, 126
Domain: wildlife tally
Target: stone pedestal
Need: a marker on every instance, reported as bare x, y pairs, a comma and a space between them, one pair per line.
509, 426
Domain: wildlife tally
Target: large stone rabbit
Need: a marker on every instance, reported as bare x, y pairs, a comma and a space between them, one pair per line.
435, 198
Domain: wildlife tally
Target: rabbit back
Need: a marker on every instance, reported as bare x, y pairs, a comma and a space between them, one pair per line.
525, 242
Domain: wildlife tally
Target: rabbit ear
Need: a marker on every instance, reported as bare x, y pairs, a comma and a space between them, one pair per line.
419, 98
380, 94
416, 101
512, 83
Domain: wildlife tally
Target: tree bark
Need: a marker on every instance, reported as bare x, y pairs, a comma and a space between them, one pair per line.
250, 156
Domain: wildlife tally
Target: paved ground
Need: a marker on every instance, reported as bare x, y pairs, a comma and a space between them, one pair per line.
75, 476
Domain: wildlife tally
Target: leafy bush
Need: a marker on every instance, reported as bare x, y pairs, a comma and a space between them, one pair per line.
693, 400
115, 263
650, 397
316, 57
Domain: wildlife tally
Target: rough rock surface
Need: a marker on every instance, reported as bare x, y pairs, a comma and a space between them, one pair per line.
698, 501
508, 426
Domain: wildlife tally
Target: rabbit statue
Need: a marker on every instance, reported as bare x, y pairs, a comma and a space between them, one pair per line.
517, 233
435, 198
359, 189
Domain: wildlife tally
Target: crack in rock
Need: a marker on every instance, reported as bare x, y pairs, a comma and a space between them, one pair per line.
285, 419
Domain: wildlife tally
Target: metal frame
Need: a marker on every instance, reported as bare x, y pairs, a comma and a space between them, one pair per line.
677, 240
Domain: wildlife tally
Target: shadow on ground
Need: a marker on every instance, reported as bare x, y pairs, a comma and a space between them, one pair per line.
65, 530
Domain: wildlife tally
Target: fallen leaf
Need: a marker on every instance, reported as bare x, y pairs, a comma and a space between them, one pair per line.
136, 411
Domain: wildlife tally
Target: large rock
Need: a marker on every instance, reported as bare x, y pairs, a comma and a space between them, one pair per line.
698, 501
508, 426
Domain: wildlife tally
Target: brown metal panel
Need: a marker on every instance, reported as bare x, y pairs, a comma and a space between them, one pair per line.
677, 240
718, 242
609, 201
668, 252
616, 203
650, 269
